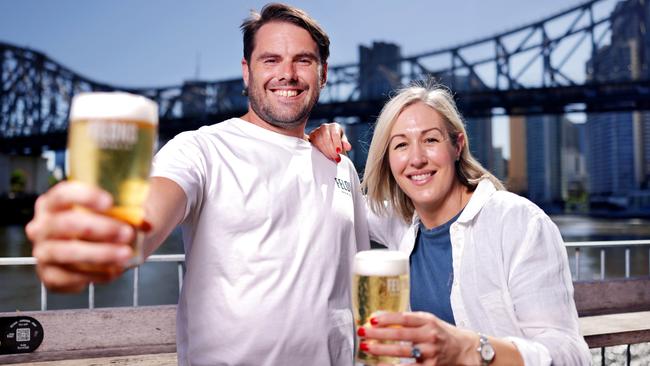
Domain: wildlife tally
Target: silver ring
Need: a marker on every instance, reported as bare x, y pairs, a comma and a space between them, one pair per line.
415, 352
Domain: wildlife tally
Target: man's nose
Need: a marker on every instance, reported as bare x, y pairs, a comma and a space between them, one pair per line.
288, 71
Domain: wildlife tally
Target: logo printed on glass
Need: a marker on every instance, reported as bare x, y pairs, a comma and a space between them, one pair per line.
113, 135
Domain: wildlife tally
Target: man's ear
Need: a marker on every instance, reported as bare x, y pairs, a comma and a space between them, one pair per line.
323, 75
244, 72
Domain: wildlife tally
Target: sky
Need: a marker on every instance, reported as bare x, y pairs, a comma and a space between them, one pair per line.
149, 43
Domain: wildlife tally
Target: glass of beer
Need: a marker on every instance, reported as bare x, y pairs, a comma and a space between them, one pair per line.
380, 283
110, 144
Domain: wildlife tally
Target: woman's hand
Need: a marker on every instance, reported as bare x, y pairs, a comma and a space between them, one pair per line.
330, 139
438, 342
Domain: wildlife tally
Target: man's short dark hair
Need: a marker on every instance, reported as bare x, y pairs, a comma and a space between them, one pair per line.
276, 12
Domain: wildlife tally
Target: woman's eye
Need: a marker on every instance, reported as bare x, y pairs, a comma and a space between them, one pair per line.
431, 140
400, 145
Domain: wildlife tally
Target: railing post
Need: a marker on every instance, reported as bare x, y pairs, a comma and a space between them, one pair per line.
627, 262
136, 280
43, 297
602, 264
629, 355
91, 295
577, 256
180, 277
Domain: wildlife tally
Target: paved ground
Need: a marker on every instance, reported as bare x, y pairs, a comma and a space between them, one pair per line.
163, 359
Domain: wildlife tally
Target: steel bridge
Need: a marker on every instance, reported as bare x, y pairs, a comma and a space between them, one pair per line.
547, 67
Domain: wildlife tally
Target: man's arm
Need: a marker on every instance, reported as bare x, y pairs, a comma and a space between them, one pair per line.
75, 243
164, 210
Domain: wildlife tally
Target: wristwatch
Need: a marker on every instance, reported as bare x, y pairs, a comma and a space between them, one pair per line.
485, 350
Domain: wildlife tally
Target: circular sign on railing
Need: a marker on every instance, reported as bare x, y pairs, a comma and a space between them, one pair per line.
20, 334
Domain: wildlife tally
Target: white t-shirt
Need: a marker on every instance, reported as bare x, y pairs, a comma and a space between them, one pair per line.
270, 230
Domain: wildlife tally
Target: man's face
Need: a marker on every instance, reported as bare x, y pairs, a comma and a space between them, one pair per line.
284, 76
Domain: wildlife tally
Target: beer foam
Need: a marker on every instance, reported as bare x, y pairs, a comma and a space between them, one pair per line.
381, 262
117, 105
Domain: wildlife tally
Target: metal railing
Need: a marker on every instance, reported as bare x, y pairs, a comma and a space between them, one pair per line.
602, 245
179, 259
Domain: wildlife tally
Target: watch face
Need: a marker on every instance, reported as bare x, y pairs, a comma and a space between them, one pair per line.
487, 352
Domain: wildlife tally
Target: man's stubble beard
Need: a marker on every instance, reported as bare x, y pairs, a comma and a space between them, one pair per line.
286, 120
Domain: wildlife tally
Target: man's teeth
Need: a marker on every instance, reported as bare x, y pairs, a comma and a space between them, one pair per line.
421, 176
286, 93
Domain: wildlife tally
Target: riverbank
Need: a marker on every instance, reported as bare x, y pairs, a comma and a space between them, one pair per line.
18, 209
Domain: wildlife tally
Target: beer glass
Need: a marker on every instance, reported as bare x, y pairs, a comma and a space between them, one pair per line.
110, 144
380, 283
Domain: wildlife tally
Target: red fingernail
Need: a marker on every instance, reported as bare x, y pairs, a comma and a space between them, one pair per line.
363, 346
361, 332
373, 321
338, 159
338, 150
145, 226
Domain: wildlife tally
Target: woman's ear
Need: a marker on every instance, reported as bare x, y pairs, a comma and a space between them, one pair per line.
460, 144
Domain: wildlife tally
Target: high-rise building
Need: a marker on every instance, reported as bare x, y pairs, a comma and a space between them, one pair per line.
479, 134
573, 175
500, 169
379, 70
379, 75
618, 144
543, 136
479, 129
517, 170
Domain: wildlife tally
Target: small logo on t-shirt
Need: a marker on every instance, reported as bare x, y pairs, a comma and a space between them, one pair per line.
344, 186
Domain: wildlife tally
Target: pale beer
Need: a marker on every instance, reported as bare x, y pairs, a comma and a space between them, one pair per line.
110, 144
380, 283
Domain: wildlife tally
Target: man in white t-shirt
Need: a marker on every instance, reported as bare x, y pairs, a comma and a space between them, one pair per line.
270, 225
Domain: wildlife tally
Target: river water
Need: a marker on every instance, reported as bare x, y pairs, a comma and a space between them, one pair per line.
20, 288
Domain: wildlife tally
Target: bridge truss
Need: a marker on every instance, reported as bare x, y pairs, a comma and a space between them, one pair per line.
549, 66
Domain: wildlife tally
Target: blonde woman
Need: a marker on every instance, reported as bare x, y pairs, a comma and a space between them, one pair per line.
490, 281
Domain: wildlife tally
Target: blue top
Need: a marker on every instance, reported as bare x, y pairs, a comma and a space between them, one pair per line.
432, 273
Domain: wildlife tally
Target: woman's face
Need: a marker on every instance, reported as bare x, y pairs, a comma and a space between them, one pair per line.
422, 158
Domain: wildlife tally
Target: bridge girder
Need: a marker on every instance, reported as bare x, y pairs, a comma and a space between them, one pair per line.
520, 71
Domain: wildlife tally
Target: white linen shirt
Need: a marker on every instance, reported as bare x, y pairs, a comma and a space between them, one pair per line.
511, 275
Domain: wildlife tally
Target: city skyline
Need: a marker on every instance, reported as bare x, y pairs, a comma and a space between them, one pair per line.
547, 176
114, 43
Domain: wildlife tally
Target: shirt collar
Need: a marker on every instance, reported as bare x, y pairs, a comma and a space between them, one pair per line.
482, 194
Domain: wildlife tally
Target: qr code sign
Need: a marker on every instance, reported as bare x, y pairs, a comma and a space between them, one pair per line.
23, 334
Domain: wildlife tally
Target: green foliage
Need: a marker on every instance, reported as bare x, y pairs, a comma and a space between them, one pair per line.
18, 181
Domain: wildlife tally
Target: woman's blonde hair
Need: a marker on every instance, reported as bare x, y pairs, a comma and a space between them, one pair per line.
378, 181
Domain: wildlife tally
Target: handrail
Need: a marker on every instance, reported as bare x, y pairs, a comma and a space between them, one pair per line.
179, 259
606, 243
31, 261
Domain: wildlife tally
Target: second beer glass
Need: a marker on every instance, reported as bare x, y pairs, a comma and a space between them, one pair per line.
110, 145
380, 283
